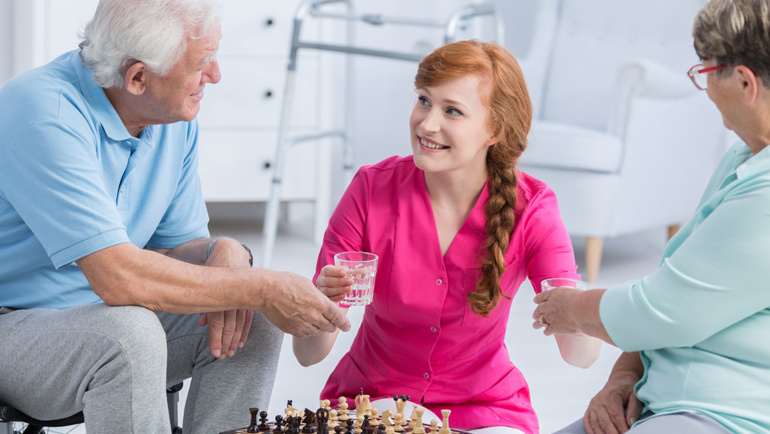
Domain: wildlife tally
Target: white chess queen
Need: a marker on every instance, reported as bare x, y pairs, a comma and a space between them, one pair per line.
457, 228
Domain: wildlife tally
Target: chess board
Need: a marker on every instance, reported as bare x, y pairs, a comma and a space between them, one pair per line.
325, 420
272, 426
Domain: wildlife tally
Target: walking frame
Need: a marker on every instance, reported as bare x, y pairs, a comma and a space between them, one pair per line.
312, 8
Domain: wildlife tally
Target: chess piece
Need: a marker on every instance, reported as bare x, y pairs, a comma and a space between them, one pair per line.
398, 423
327, 404
400, 403
375, 420
445, 424
263, 426
253, 425
386, 415
338, 429
389, 430
343, 402
289, 411
278, 425
349, 423
322, 420
359, 424
309, 416
381, 429
360, 405
413, 417
433, 426
417, 427
366, 424
333, 419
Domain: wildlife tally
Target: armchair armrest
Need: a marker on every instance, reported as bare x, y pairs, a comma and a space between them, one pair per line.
646, 79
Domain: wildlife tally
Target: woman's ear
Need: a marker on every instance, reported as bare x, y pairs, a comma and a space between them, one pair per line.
750, 83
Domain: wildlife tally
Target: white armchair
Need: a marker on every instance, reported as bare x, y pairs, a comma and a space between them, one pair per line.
621, 134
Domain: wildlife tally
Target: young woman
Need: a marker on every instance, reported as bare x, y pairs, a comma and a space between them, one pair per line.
457, 229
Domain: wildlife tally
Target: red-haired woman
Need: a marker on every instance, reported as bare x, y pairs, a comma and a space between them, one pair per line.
457, 229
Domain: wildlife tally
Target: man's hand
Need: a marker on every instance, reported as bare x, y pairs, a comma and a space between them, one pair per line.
228, 331
615, 408
333, 283
300, 309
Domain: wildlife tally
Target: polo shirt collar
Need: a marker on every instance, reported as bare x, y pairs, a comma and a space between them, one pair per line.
102, 108
755, 164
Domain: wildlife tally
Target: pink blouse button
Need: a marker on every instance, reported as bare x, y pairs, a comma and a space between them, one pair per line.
426, 375
439, 282
433, 329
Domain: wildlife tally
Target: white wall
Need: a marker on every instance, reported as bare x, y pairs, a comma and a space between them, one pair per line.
6, 31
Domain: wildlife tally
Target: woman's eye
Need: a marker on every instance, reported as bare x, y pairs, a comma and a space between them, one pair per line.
453, 111
423, 100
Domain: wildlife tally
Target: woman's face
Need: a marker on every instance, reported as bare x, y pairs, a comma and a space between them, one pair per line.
449, 127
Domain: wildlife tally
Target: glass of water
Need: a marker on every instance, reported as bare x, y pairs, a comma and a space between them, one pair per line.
557, 282
362, 268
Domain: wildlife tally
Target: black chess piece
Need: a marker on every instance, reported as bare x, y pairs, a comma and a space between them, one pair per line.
253, 425
349, 424
279, 425
263, 426
309, 417
338, 429
366, 425
381, 429
322, 420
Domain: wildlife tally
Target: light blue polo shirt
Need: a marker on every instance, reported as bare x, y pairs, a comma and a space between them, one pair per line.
74, 181
702, 320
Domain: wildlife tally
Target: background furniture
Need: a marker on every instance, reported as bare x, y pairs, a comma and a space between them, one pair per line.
9, 415
621, 134
460, 19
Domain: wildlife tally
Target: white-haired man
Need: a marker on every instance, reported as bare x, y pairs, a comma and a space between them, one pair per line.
106, 258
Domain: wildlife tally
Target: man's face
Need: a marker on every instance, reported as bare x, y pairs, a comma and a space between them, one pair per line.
176, 96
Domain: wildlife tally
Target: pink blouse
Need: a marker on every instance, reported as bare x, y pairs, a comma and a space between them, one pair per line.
419, 336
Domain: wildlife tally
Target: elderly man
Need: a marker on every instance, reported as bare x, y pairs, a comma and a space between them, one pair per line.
105, 252
696, 331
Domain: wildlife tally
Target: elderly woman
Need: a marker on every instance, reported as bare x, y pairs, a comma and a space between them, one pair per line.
696, 331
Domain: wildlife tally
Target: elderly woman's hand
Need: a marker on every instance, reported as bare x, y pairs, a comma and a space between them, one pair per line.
568, 310
555, 311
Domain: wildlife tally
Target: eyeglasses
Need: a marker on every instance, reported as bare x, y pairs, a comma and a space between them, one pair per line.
699, 77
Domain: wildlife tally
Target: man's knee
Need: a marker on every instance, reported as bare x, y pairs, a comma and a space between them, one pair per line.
136, 331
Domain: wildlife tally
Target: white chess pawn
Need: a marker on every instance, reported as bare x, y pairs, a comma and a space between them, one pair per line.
343, 415
375, 421
332, 419
398, 423
433, 426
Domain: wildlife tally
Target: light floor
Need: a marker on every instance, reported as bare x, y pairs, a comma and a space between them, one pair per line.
560, 392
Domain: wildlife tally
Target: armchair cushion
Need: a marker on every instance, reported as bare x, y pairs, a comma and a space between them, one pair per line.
564, 146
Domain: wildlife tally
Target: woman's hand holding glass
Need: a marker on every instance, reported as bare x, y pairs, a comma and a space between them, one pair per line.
334, 283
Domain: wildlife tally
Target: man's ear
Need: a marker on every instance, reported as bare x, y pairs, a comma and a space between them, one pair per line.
750, 83
136, 78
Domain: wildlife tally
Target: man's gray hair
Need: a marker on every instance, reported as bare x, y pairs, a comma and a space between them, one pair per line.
155, 32
735, 32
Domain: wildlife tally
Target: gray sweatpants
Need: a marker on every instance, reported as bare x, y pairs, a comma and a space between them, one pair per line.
676, 423
114, 364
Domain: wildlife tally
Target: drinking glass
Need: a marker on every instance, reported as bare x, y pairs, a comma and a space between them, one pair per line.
362, 268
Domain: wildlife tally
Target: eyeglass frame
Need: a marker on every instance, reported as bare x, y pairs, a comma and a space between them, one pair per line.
692, 72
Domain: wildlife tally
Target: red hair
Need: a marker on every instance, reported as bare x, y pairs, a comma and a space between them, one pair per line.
510, 119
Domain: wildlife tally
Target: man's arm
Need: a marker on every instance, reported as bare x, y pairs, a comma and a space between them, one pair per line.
227, 330
615, 408
126, 275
